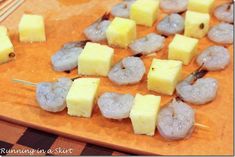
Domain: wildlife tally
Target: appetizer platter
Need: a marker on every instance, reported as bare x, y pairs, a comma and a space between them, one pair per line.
141, 76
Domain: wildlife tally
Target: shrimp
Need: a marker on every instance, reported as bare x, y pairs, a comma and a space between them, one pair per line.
201, 92
176, 121
51, 95
224, 12
221, 33
97, 31
115, 105
66, 58
214, 58
170, 25
122, 9
148, 44
129, 70
174, 6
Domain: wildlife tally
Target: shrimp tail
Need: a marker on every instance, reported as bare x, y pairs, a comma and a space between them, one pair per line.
106, 16
83, 43
200, 74
80, 43
74, 78
138, 55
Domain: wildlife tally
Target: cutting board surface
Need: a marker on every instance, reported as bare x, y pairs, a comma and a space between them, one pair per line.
65, 21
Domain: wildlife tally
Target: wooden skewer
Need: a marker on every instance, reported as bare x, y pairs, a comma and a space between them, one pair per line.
9, 9
27, 83
202, 126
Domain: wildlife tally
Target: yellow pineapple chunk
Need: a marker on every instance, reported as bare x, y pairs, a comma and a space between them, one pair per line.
32, 28
6, 49
203, 6
144, 114
164, 75
95, 59
183, 52
81, 97
121, 32
145, 12
3, 31
196, 24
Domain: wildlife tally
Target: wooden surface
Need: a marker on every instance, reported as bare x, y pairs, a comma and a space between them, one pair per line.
65, 21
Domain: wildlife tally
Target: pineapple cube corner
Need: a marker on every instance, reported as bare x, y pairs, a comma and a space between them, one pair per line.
3, 31
121, 32
32, 28
203, 6
81, 97
164, 75
196, 24
95, 59
145, 12
144, 114
6, 49
182, 48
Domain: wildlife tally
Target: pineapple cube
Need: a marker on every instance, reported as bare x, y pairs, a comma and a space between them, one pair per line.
144, 114
121, 32
95, 59
32, 28
3, 31
145, 12
6, 49
196, 24
203, 6
182, 48
81, 97
164, 75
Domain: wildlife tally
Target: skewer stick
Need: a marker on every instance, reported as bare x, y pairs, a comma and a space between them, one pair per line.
202, 126
27, 83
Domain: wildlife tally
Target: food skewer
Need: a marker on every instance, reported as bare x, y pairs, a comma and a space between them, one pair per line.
57, 106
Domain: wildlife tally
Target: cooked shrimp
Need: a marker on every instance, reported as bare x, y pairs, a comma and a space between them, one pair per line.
174, 6
221, 33
176, 121
129, 70
148, 44
224, 12
51, 95
214, 58
201, 92
115, 105
171, 24
122, 9
97, 31
66, 58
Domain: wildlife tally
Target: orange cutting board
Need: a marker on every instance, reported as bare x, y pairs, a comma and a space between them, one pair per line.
65, 21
